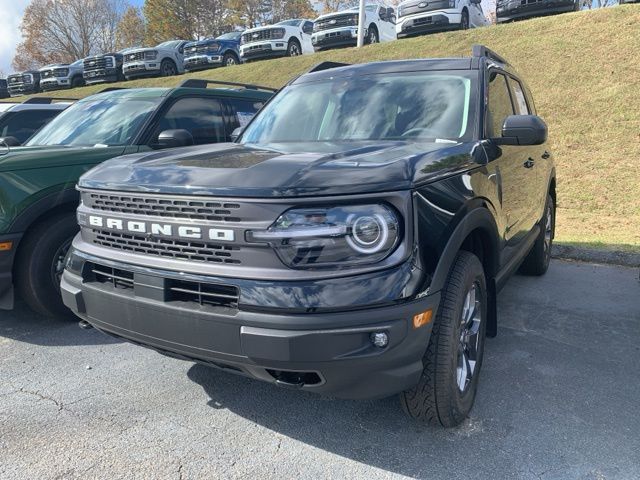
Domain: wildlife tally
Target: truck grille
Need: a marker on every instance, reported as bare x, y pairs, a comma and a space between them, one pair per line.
133, 57
164, 207
337, 21
182, 250
204, 49
55, 72
166, 289
267, 34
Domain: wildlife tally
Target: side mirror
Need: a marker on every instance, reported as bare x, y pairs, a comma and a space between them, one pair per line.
174, 138
236, 133
523, 130
10, 141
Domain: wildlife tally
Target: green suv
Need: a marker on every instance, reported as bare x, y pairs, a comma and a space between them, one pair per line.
37, 182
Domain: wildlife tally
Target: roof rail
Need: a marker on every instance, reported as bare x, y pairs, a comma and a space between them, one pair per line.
111, 89
326, 66
202, 83
482, 51
48, 100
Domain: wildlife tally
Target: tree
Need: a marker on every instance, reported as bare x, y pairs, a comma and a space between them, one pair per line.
251, 13
330, 6
286, 9
186, 19
56, 31
131, 29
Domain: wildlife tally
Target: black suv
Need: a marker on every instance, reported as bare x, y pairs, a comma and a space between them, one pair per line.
351, 242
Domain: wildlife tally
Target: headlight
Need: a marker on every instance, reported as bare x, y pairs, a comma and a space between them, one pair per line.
109, 62
278, 33
150, 55
213, 48
326, 236
354, 19
452, 3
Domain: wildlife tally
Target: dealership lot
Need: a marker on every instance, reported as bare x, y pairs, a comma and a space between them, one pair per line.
558, 399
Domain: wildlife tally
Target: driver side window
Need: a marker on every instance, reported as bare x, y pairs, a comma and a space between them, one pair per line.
201, 117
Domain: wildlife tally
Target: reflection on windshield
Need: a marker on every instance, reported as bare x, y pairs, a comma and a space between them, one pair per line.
108, 121
291, 23
426, 106
229, 36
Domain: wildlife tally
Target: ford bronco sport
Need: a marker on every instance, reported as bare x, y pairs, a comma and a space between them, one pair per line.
355, 249
37, 181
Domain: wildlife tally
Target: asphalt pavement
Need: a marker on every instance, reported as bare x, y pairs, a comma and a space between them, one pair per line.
559, 398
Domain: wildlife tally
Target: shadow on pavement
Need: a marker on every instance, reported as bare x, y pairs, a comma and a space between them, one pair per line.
24, 325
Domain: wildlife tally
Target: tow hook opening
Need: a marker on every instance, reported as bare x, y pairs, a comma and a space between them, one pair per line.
85, 325
294, 380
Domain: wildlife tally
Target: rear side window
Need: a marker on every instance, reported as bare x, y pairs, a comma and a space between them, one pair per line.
242, 111
22, 125
519, 99
201, 117
500, 106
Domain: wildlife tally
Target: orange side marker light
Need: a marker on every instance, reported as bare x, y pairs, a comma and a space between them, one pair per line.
6, 246
421, 319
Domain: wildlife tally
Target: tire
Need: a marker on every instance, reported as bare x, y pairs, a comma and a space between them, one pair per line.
168, 68
444, 395
537, 260
294, 49
39, 260
372, 35
229, 59
77, 82
464, 21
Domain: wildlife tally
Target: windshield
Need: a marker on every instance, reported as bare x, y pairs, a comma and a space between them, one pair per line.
169, 44
98, 122
428, 106
291, 23
230, 36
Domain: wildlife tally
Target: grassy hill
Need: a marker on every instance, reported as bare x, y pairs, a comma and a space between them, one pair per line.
584, 70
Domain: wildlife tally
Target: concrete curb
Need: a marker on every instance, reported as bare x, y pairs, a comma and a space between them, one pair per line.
592, 255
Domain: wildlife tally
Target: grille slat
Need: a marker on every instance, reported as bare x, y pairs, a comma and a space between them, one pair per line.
193, 251
267, 34
337, 21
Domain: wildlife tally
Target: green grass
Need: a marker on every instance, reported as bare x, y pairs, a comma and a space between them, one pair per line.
584, 70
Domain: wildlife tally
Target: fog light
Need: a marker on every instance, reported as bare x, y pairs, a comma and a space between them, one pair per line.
379, 339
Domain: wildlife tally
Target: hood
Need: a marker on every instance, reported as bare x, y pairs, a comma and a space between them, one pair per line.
265, 27
282, 170
350, 11
27, 158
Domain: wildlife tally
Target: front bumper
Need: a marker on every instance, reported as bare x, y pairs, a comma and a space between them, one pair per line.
24, 89
327, 352
55, 83
516, 10
266, 49
202, 62
101, 76
7, 258
336, 37
141, 69
435, 21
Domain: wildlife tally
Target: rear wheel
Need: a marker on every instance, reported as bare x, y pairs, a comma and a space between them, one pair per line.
538, 259
40, 263
446, 391
464, 22
168, 68
294, 49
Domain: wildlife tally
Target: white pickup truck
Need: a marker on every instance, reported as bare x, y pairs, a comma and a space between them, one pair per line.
288, 38
341, 29
416, 17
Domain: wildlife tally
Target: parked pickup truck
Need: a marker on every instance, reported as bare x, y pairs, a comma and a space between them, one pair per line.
163, 60
288, 38
23, 83
222, 51
19, 121
355, 251
4, 91
341, 29
104, 68
510, 10
63, 75
416, 17
37, 181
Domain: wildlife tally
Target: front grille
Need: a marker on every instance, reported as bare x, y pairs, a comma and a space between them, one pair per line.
132, 57
159, 247
337, 21
267, 34
55, 72
94, 63
204, 49
164, 289
164, 207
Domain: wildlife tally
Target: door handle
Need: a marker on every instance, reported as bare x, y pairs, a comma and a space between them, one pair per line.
546, 155
529, 163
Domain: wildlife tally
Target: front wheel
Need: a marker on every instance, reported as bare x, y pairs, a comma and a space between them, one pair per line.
294, 49
229, 59
372, 36
447, 388
40, 263
168, 68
